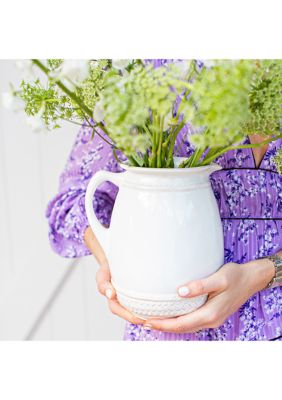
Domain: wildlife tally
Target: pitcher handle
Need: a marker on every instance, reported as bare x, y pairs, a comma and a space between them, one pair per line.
99, 230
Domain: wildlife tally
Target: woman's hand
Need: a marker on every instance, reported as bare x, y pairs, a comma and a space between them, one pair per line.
103, 279
227, 290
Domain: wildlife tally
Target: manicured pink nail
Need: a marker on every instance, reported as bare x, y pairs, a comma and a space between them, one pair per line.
109, 293
183, 291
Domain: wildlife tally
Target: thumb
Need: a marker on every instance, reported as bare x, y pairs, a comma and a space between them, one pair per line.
103, 279
198, 287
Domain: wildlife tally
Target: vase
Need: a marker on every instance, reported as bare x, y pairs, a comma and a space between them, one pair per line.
165, 230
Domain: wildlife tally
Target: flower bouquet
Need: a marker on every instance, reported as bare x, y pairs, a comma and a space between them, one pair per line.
165, 223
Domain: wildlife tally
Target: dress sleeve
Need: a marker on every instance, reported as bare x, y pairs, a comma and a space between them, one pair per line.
66, 211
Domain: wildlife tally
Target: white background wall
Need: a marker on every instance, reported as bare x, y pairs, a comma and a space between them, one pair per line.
42, 296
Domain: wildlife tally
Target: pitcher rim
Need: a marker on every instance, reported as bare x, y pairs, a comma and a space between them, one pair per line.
190, 170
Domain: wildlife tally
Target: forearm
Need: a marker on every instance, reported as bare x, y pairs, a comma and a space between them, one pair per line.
94, 246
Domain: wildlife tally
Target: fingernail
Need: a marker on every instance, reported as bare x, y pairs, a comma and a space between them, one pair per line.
183, 291
147, 326
109, 293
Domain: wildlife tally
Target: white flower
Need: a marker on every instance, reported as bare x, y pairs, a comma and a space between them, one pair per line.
71, 72
183, 67
121, 85
27, 68
178, 160
124, 72
11, 102
75, 70
98, 113
35, 122
23, 64
209, 63
94, 64
120, 63
7, 100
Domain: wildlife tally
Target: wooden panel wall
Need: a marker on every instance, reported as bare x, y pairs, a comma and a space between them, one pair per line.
42, 296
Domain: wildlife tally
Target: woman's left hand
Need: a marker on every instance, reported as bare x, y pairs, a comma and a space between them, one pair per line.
227, 289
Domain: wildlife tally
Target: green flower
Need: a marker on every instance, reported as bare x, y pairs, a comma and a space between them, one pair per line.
224, 101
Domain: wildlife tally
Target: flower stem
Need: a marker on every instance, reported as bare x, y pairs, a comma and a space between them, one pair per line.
71, 94
172, 144
160, 141
76, 99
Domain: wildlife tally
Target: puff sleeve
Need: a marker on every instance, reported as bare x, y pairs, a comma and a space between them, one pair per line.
66, 211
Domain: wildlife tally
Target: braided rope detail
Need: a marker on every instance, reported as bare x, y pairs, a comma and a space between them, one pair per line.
160, 308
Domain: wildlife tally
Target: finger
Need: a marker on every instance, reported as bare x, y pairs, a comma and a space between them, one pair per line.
120, 311
213, 283
188, 323
103, 279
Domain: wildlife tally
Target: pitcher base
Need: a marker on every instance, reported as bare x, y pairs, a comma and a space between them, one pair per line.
154, 308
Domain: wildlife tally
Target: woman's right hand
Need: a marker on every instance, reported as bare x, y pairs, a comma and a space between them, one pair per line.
103, 280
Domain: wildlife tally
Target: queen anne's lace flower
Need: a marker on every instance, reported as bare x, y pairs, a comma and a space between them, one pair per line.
120, 64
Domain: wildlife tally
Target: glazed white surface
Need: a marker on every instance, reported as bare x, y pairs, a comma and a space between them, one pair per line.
165, 230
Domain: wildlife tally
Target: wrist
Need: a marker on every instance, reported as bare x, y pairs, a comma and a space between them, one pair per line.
261, 272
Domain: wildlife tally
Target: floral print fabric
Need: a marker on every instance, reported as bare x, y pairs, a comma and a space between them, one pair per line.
250, 204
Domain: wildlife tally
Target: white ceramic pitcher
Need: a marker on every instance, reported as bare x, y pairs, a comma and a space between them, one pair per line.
165, 231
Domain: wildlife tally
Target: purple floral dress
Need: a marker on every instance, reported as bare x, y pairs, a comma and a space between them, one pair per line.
250, 204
